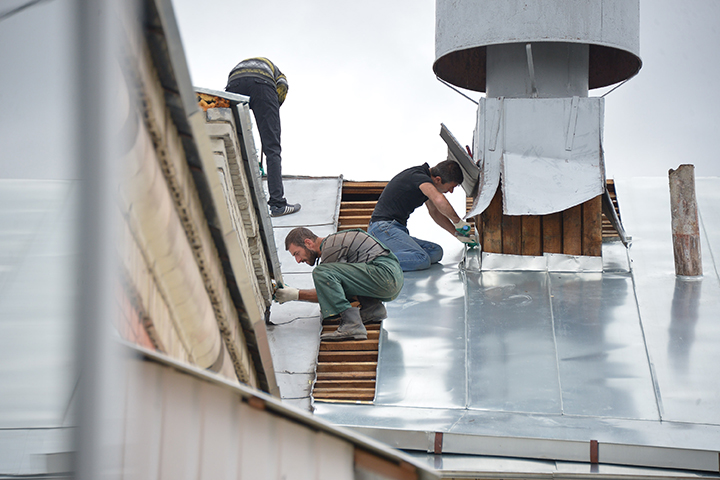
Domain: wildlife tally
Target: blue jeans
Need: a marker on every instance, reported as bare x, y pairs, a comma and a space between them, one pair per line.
413, 253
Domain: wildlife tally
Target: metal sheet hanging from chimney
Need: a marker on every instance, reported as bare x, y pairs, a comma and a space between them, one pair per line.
549, 152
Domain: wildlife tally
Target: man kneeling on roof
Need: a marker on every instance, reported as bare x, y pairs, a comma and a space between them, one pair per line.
352, 264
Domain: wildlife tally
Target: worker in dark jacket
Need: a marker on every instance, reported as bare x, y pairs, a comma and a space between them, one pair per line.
261, 80
403, 194
352, 264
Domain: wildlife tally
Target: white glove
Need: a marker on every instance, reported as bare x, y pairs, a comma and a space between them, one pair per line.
286, 294
469, 241
462, 227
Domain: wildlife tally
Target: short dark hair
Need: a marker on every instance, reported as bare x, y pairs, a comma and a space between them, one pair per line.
448, 171
297, 237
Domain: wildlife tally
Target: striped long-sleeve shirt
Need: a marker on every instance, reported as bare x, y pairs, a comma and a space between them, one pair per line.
261, 67
351, 246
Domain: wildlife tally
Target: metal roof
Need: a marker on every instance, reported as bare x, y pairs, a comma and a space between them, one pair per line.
621, 365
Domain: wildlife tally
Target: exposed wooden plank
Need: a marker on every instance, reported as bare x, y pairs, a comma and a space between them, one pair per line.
355, 212
531, 242
353, 345
572, 230
552, 233
355, 218
492, 225
343, 366
364, 185
359, 204
511, 235
352, 375
370, 356
344, 384
356, 394
592, 227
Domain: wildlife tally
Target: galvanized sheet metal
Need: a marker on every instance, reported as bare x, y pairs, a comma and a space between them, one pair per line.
548, 151
463, 30
436, 305
680, 315
627, 358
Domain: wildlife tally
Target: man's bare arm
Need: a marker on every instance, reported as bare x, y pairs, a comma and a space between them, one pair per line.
309, 295
439, 207
439, 218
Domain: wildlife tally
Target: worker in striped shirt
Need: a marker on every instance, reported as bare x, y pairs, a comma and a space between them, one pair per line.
352, 264
267, 87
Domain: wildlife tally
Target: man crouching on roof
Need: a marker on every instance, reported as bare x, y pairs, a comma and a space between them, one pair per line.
352, 264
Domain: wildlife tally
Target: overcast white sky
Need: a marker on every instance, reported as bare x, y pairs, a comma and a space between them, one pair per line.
364, 101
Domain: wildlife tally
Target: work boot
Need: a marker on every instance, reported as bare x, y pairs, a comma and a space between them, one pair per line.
351, 327
372, 310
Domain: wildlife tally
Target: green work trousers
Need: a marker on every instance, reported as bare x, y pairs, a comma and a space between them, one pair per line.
337, 283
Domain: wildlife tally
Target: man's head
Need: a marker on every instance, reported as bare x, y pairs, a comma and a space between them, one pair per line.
303, 244
446, 175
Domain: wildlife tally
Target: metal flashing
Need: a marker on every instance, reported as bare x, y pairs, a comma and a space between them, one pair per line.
530, 366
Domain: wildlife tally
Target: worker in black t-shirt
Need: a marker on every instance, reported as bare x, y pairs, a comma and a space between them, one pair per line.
403, 194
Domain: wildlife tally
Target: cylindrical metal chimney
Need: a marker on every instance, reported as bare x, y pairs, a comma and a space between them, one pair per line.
481, 44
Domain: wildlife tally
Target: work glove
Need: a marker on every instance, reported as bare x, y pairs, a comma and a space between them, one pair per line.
469, 241
286, 294
462, 227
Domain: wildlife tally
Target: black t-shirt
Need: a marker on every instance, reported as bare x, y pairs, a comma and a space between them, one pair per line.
402, 195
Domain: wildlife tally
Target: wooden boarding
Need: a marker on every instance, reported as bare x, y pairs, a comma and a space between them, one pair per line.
572, 225
576, 231
531, 240
346, 371
357, 203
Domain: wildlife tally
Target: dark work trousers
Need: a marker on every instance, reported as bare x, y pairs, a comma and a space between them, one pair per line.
266, 107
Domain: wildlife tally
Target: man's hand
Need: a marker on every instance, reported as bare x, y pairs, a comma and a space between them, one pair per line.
463, 228
286, 294
469, 241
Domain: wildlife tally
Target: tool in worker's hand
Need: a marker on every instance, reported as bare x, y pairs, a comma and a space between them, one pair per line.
463, 228
469, 241
275, 286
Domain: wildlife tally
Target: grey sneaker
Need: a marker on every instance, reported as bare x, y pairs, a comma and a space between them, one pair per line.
286, 210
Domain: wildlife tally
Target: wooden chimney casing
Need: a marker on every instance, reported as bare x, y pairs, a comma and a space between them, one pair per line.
575, 231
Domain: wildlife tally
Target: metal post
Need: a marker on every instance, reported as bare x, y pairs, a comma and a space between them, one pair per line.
685, 224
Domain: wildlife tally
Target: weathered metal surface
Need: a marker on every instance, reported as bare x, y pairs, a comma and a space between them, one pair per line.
540, 174
540, 360
487, 155
463, 158
679, 315
538, 70
464, 30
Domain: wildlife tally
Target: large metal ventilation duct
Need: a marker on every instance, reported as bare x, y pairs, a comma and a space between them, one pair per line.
470, 33
536, 60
